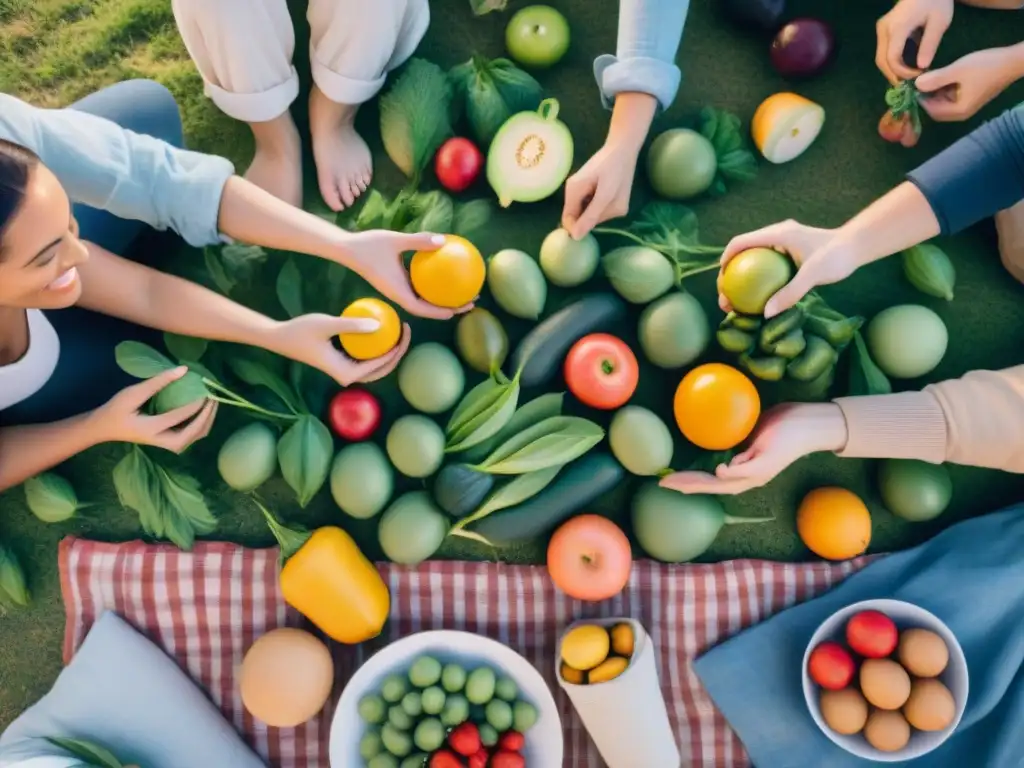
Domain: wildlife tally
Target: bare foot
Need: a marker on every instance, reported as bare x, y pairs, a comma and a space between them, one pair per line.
277, 164
343, 163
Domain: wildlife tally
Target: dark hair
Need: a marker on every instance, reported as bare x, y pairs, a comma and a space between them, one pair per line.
16, 165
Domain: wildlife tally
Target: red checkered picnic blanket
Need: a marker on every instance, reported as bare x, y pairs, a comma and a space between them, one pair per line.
206, 607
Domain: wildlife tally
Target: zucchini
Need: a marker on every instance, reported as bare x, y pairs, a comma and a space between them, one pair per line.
576, 486
459, 489
542, 351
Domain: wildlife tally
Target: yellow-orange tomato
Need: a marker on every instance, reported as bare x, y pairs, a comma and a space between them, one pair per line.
834, 523
451, 276
716, 406
366, 346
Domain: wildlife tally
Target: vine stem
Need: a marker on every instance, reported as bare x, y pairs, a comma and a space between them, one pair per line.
694, 250
227, 397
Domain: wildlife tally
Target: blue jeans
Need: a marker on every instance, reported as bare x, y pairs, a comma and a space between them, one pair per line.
87, 374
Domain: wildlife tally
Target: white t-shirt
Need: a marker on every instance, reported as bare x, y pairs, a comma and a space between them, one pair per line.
23, 378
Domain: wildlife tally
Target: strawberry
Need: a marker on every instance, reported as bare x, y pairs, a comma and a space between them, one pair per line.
465, 739
445, 759
512, 741
479, 760
506, 759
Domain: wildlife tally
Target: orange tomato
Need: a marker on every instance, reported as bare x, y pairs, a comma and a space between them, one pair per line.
451, 276
589, 558
834, 523
366, 346
716, 406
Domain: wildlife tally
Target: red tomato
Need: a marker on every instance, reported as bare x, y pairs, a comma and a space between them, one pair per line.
354, 414
458, 162
479, 760
445, 759
872, 634
465, 739
601, 371
513, 741
831, 666
505, 759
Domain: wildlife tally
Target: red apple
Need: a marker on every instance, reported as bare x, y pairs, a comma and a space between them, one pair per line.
354, 414
831, 666
457, 164
589, 558
872, 634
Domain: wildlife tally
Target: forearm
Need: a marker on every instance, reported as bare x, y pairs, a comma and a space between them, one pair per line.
631, 119
121, 288
999, 5
251, 215
28, 450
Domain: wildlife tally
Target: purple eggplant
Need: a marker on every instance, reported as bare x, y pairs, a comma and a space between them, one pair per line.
760, 15
802, 48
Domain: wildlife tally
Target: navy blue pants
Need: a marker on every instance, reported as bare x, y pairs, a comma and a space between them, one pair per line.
87, 374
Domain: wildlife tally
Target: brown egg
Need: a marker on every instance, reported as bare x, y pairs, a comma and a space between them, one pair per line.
887, 731
884, 683
844, 711
930, 706
923, 653
286, 677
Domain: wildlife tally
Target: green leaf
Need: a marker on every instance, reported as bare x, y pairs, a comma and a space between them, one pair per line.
221, 279
429, 212
290, 540
186, 349
415, 117
519, 89
725, 132
94, 754
13, 588
255, 374
289, 288
241, 261
471, 217
51, 498
304, 454
482, 416
866, 378
552, 442
738, 165
335, 283
141, 360
474, 402
493, 91
186, 514
481, 7
372, 213
514, 492
540, 408
138, 488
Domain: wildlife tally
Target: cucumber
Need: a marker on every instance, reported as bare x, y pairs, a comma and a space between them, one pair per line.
580, 483
541, 352
459, 489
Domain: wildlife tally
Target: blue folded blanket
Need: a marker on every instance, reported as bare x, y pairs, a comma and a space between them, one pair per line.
971, 576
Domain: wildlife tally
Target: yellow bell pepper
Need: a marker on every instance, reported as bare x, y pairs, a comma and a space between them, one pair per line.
326, 578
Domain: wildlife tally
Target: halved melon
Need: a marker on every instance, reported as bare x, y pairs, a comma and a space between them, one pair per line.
785, 125
530, 156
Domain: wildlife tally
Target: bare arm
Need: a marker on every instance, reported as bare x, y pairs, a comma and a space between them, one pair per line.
999, 5
28, 450
631, 119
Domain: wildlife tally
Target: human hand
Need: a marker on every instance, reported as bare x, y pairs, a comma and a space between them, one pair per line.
310, 338
820, 258
899, 25
601, 189
785, 433
122, 419
377, 256
958, 91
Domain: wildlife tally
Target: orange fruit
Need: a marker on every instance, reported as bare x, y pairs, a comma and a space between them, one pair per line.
834, 523
716, 406
622, 640
451, 276
366, 346
785, 125
607, 670
572, 675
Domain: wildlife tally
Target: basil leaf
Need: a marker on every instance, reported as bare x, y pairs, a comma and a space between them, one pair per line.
304, 454
224, 282
540, 408
141, 360
95, 755
471, 217
514, 492
186, 514
372, 213
557, 444
474, 402
256, 374
289, 288
482, 415
185, 348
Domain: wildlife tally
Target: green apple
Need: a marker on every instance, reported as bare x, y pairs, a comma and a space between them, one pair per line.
537, 36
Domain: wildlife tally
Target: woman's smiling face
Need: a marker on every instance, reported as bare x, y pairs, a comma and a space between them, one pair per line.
40, 249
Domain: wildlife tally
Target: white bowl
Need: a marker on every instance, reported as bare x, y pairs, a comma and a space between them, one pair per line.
544, 742
905, 616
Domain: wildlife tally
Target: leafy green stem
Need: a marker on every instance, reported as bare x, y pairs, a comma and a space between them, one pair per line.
290, 540
224, 395
692, 250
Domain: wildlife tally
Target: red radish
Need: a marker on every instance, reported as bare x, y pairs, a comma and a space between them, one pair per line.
910, 135
354, 414
831, 666
506, 759
891, 128
458, 162
872, 634
445, 759
512, 741
465, 739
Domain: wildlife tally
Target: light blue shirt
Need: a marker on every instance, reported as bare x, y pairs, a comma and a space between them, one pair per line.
649, 35
128, 174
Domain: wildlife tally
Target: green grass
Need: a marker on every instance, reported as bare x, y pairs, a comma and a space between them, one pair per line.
55, 51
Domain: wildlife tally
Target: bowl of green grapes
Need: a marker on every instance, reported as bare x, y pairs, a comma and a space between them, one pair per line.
446, 698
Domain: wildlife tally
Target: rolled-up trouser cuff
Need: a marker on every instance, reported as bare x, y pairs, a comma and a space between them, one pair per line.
341, 89
256, 107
